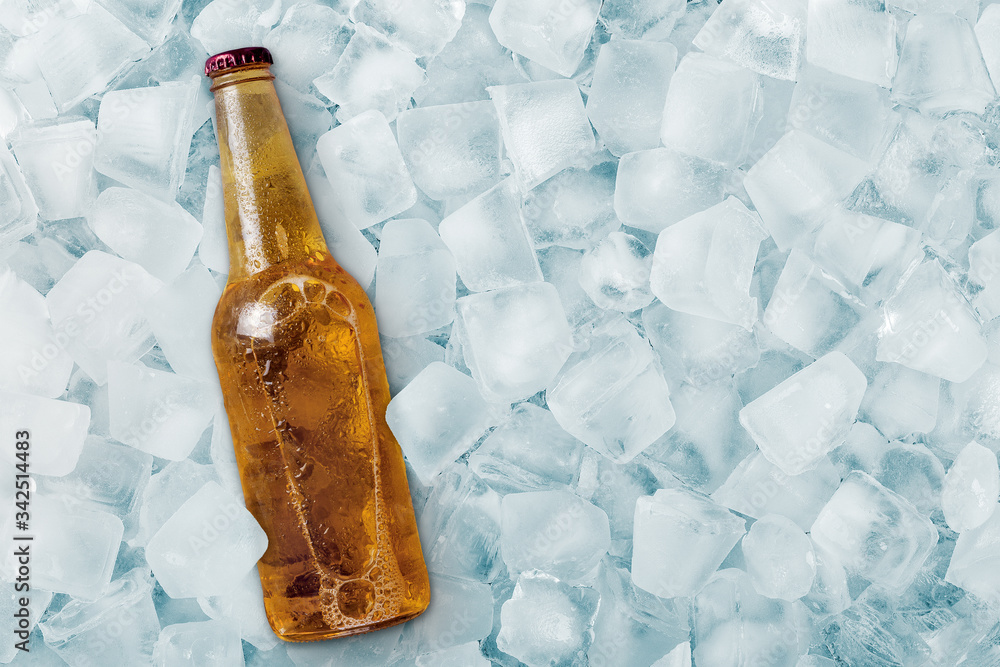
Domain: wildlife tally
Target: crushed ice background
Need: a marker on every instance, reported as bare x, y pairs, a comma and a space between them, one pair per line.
688, 311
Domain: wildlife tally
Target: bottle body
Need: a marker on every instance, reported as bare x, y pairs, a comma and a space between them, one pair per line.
297, 350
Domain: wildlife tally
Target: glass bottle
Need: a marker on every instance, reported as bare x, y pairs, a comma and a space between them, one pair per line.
297, 349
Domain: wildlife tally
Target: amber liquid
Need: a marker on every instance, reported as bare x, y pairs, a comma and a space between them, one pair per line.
297, 349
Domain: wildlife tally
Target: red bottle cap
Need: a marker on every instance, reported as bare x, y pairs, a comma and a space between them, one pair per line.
248, 55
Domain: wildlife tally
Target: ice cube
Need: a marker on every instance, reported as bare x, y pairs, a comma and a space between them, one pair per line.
628, 92
157, 412
208, 545
613, 396
698, 350
32, 359
901, 401
561, 268
712, 109
415, 286
307, 43
79, 56
213, 250
547, 621
573, 208
55, 431
422, 27
144, 134
18, 212
167, 490
703, 264
544, 123
651, 20
615, 274
810, 310
10, 607
680, 539
855, 39
914, 473
796, 180
874, 532
988, 35
766, 36
553, 34
528, 451
222, 24
758, 487
371, 74
437, 418
35, 99
451, 149
984, 271
971, 488
180, 315
555, 532
930, 327
57, 162
733, 623
463, 655
874, 632
973, 563
941, 68
151, 21
779, 557
405, 357
809, 414
365, 168
517, 339
460, 526
679, 656
160, 237
829, 593
461, 611
244, 605
119, 629
200, 643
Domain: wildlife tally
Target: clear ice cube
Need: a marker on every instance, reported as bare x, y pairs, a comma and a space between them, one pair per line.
307, 43
422, 27
553, 34
57, 162
615, 274
574, 208
199, 643
779, 557
971, 488
854, 39
18, 212
56, 431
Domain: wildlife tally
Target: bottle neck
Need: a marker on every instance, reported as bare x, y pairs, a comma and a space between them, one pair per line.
269, 215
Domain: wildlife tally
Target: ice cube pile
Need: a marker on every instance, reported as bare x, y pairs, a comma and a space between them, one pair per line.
690, 312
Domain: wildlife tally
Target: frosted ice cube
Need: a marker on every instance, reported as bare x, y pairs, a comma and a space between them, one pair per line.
244, 605
437, 418
984, 271
32, 359
779, 557
652, 20
365, 168
971, 488
573, 208
158, 412
855, 39
180, 315
657, 188
160, 237
615, 274
930, 327
901, 401
144, 134
613, 396
79, 56
528, 451
680, 539
463, 655
119, 629
758, 487
57, 162
422, 27
56, 431
22, 20
941, 68
628, 92
712, 109
35, 99
988, 35
517, 339
547, 621
213, 249
703, 264
802, 419
544, 125
307, 43
796, 180
914, 473
697, 349
222, 24
461, 611
167, 490
829, 593
973, 565
18, 212
809, 309
371, 74
555, 532
766, 36
451, 149
151, 21
208, 545
199, 643
73, 548
874, 532
553, 34
415, 289
460, 526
